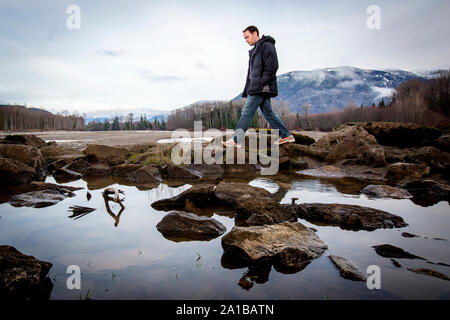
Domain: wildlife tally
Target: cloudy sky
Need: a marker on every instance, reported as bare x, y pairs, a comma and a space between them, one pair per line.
168, 54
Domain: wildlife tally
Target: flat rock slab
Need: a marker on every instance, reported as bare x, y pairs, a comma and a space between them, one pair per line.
385, 191
23, 277
181, 225
333, 172
430, 272
347, 269
37, 199
251, 205
230, 192
179, 172
390, 251
349, 216
199, 195
290, 244
409, 235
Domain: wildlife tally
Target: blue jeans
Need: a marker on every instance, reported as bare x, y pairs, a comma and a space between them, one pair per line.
250, 107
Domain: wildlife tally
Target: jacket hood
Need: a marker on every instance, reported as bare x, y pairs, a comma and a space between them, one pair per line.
261, 41
266, 38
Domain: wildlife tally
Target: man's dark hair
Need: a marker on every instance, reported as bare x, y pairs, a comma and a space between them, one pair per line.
252, 29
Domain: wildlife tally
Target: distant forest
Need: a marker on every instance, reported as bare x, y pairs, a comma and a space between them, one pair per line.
17, 117
129, 123
419, 101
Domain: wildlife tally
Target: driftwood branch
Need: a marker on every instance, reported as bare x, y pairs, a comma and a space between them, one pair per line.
79, 211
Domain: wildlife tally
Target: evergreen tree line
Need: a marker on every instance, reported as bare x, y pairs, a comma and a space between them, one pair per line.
129, 123
17, 117
221, 115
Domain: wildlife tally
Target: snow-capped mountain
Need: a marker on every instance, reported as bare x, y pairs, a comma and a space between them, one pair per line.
337, 86
102, 115
429, 73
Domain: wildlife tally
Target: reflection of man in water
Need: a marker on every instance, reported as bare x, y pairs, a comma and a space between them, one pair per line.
116, 199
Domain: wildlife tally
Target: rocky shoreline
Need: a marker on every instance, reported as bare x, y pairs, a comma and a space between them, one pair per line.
266, 232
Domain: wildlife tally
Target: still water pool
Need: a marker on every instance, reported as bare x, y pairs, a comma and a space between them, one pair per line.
125, 257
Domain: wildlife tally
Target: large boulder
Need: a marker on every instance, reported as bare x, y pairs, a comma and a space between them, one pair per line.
39, 199
20, 164
106, 154
303, 139
55, 153
199, 196
146, 173
385, 191
231, 192
253, 206
348, 142
78, 165
437, 160
348, 216
137, 173
289, 244
373, 157
23, 277
443, 143
406, 171
259, 211
13, 172
97, 170
181, 225
125, 169
292, 150
394, 154
66, 175
175, 171
64, 160
241, 170
401, 134
27, 139
347, 269
209, 171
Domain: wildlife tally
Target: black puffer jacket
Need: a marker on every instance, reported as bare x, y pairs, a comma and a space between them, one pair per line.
262, 69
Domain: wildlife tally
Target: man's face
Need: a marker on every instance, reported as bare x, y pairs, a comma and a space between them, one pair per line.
251, 38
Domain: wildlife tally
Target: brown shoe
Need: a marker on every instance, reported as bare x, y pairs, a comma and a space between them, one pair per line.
286, 140
231, 143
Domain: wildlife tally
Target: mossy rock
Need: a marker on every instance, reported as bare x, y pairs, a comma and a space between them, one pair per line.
402, 135
303, 139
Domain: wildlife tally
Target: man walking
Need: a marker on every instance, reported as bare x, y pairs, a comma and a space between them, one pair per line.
260, 86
